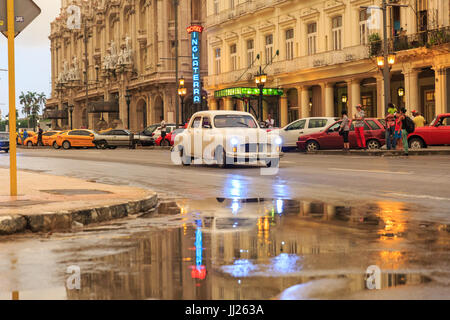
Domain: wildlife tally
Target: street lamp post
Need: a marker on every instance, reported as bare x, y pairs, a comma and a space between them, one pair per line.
182, 91
71, 107
128, 100
260, 80
385, 60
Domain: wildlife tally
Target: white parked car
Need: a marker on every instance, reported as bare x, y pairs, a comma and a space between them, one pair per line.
292, 131
225, 138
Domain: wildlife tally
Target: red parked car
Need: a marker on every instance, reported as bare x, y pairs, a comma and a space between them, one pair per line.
170, 138
329, 138
437, 133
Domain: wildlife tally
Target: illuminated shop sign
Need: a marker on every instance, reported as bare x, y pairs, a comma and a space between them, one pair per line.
247, 92
195, 45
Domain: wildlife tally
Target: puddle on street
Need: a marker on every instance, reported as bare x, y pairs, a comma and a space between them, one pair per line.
252, 249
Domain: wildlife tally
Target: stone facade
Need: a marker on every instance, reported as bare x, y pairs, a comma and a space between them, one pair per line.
326, 62
130, 51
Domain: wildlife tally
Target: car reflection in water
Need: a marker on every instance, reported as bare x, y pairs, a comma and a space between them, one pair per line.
257, 248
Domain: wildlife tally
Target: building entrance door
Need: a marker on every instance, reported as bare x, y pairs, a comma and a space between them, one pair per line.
429, 105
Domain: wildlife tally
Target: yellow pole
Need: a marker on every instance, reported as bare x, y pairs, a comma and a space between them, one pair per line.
12, 99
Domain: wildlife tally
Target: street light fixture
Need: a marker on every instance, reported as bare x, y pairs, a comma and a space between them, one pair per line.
182, 91
181, 82
260, 80
128, 100
344, 98
71, 107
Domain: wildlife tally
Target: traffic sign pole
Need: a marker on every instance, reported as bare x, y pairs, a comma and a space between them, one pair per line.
12, 100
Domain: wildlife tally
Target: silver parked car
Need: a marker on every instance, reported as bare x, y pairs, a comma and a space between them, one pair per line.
113, 138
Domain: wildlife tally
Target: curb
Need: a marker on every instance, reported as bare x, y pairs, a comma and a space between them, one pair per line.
64, 220
382, 153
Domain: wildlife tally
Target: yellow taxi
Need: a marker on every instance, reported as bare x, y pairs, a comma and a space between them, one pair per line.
75, 138
52, 139
32, 141
20, 136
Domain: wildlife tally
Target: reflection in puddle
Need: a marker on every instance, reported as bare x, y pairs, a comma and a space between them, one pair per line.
257, 248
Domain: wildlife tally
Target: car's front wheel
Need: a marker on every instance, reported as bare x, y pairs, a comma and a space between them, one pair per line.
373, 145
221, 158
272, 163
55, 145
101, 145
29, 144
7, 150
185, 160
416, 143
312, 146
66, 145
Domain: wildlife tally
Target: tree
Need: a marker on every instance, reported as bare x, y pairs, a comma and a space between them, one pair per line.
32, 103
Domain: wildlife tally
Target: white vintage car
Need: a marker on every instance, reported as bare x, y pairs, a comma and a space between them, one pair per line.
226, 138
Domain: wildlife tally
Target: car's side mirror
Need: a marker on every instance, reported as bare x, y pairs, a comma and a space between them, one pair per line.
262, 125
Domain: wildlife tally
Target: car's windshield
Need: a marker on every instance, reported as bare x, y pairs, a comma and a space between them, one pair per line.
234, 121
4, 136
151, 129
433, 122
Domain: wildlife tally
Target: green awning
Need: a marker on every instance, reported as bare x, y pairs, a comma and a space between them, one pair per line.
247, 92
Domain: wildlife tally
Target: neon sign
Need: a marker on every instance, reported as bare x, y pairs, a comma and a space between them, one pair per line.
195, 45
199, 270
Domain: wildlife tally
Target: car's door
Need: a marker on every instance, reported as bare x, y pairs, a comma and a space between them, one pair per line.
292, 132
207, 137
46, 136
195, 135
85, 139
315, 125
331, 138
441, 134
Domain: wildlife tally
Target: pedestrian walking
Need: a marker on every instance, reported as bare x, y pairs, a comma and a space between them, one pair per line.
25, 135
391, 143
40, 132
359, 127
345, 129
163, 130
419, 120
400, 131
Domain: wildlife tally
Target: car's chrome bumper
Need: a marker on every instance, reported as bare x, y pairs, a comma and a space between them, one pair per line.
253, 156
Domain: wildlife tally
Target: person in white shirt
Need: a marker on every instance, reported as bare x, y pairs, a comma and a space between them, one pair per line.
270, 122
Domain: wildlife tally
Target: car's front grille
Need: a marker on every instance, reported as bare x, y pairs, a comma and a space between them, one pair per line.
255, 147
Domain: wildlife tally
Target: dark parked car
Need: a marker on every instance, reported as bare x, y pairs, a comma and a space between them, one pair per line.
329, 138
4, 141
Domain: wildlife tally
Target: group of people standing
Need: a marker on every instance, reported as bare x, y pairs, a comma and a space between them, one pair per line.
397, 127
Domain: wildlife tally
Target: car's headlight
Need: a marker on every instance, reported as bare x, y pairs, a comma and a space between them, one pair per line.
278, 141
234, 142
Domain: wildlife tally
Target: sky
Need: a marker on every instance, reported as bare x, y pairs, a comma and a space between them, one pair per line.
33, 58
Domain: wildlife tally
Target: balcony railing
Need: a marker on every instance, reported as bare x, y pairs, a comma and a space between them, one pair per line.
322, 59
427, 39
247, 7
56, 114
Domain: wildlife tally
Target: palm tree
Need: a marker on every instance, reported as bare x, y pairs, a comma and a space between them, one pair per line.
24, 100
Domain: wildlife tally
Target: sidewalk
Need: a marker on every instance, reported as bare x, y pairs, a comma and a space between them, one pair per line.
387, 153
47, 202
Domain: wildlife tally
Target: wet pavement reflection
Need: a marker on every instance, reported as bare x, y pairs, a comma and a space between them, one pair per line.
231, 248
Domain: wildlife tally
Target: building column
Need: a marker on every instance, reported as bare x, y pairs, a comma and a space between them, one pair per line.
229, 104
240, 105
329, 99
440, 90
283, 110
304, 102
381, 112
354, 96
213, 104
412, 101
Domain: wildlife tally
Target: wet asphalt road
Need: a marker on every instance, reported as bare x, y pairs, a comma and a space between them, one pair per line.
310, 231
